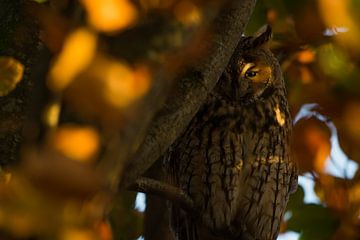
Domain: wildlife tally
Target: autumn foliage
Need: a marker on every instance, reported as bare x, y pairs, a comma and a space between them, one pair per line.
105, 67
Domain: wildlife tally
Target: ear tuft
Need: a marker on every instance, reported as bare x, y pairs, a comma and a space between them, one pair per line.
262, 37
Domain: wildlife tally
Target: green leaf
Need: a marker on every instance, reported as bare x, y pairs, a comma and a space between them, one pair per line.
312, 221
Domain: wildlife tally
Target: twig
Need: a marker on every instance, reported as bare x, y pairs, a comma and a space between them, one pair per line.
174, 194
192, 88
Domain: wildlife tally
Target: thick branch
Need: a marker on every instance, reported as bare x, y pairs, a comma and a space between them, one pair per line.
193, 88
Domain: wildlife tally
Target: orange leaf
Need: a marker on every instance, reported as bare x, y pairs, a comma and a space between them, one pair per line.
110, 15
306, 56
75, 142
77, 53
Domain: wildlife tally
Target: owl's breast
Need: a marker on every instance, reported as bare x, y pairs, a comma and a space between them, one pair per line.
233, 163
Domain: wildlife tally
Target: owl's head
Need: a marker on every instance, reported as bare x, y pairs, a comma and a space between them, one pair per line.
253, 72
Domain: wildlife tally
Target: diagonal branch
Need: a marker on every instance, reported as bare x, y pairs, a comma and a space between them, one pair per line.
192, 89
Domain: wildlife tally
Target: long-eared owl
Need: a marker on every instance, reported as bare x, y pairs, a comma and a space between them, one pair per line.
233, 158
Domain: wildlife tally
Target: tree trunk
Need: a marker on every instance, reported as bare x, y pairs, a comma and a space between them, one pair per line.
18, 39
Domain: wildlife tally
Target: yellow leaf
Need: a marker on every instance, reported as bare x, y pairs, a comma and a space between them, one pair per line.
107, 88
78, 51
11, 72
51, 114
123, 85
110, 15
75, 142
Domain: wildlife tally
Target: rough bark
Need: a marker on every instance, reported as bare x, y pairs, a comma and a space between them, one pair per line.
192, 89
18, 39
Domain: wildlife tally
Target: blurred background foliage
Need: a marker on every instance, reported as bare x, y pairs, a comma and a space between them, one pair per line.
104, 65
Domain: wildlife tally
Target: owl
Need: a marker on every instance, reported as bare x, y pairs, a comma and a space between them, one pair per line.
233, 158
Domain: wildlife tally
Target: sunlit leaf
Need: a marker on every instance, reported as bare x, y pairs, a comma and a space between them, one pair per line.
78, 51
75, 142
107, 88
122, 85
51, 114
11, 72
110, 15
306, 56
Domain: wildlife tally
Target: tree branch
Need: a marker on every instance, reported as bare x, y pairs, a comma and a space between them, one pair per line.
192, 88
174, 194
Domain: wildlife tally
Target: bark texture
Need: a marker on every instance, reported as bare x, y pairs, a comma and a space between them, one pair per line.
233, 159
18, 39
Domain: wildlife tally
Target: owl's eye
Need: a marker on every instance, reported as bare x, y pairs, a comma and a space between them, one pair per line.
250, 74
249, 70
